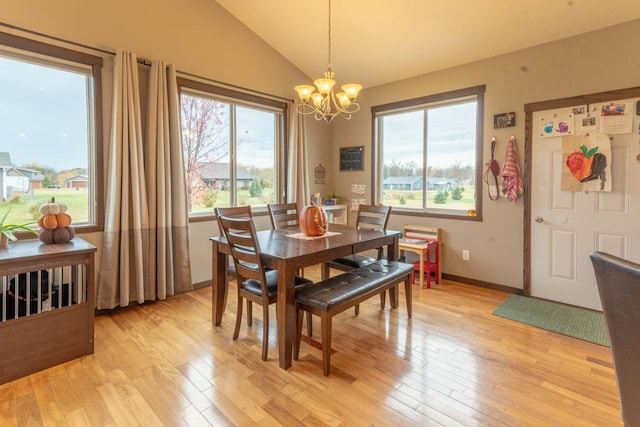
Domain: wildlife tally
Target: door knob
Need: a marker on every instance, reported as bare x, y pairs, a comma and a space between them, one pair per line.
539, 219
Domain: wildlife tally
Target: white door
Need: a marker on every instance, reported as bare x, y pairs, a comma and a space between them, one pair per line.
566, 226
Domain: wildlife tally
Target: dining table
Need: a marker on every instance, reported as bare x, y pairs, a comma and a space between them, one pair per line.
287, 250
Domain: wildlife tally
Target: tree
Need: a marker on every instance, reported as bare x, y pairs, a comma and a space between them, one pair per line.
205, 139
255, 189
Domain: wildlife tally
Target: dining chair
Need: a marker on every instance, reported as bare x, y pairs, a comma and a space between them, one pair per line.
368, 217
255, 283
283, 214
233, 212
618, 282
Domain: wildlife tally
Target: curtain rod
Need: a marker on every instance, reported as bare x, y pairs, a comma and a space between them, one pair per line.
141, 61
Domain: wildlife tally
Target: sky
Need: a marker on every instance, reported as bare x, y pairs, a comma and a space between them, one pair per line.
43, 115
451, 134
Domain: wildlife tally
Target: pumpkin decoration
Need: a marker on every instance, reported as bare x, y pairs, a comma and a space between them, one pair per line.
313, 221
55, 223
58, 235
53, 207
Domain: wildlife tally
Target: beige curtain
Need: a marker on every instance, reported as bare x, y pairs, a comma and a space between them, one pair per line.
169, 265
298, 168
126, 231
145, 253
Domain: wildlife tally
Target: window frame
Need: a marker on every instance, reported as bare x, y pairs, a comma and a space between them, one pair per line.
415, 104
244, 99
53, 54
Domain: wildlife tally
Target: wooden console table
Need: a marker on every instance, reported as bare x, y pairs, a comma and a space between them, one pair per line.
43, 339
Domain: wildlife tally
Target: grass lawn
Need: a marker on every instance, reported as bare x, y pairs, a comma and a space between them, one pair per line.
77, 202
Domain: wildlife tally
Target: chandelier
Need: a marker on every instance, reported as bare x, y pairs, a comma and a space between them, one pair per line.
324, 104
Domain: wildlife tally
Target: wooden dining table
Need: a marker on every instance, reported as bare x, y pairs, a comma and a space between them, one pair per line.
287, 254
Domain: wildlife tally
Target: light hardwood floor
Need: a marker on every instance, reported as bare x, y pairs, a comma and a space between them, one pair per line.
452, 364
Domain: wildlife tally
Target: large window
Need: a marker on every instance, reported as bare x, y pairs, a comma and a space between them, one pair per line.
233, 147
428, 154
49, 131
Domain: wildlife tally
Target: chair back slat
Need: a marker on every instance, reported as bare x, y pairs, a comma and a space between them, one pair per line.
232, 212
375, 217
283, 214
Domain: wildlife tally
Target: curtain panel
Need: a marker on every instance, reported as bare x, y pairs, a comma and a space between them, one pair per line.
145, 253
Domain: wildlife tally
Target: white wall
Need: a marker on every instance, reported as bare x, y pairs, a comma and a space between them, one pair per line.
596, 62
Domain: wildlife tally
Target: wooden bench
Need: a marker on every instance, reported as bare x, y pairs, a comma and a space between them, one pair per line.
339, 293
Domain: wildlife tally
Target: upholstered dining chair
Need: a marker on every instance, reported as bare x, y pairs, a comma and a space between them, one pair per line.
233, 212
283, 214
371, 217
618, 282
255, 283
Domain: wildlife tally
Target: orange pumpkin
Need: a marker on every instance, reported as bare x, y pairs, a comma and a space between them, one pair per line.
48, 221
64, 219
313, 221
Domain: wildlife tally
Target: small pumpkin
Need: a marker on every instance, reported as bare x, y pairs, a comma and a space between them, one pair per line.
49, 222
63, 219
313, 221
53, 207
58, 235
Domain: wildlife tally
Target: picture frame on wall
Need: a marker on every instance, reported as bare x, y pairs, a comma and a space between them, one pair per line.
504, 120
352, 158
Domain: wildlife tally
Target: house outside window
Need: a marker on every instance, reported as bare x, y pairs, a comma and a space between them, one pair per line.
427, 154
50, 130
233, 147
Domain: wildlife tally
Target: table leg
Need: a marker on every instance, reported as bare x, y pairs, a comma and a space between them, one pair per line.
286, 314
421, 269
219, 284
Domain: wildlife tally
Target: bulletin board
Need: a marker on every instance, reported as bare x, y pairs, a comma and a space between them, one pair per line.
352, 158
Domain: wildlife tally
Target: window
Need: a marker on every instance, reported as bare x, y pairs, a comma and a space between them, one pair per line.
428, 154
233, 147
50, 131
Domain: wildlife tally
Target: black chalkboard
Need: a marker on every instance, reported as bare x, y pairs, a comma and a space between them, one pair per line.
352, 158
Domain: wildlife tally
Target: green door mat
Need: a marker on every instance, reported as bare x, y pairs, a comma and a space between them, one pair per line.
572, 321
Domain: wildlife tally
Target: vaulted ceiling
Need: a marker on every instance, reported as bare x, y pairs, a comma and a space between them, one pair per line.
380, 41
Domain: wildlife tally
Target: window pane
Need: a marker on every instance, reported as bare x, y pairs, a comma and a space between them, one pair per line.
428, 150
206, 144
403, 154
44, 139
256, 133
231, 147
451, 151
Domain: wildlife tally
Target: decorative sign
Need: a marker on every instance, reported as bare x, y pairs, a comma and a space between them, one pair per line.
320, 173
352, 158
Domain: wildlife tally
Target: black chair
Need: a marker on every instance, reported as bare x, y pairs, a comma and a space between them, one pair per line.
255, 283
283, 215
618, 282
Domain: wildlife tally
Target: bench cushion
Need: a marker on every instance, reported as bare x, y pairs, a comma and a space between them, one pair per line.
344, 287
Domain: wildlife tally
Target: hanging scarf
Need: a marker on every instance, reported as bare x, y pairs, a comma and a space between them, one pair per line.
512, 185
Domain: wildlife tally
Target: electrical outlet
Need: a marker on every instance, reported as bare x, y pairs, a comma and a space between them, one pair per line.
354, 188
465, 255
361, 188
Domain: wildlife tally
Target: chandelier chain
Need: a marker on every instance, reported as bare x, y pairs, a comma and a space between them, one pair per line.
329, 59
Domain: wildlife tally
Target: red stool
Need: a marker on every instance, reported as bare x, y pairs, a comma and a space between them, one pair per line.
430, 264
